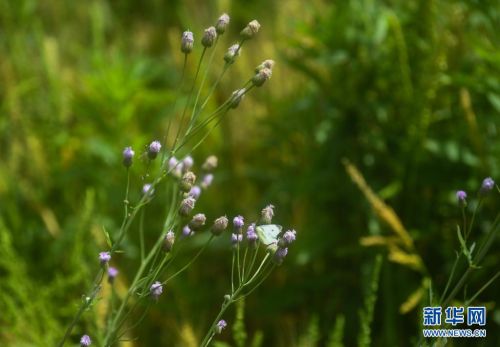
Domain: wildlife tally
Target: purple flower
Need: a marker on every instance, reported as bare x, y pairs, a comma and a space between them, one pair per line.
188, 162
146, 189
156, 290
112, 273
488, 184
287, 239
195, 192
461, 196
154, 149
207, 180
186, 231
238, 222
85, 341
175, 167
252, 236
104, 258
236, 238
221, 325
128, 154
280, 255
267, 214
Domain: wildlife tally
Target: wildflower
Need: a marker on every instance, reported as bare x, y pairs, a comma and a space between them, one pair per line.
187, 181
174, 167
238, 223
487, 185
236, 97
262, 76
280, 255
220, 224
250, 30
187, 162
187, 206
209, 37
207, 180
287, 239
221, 325
85, 341
128, 154
186, 231
461, 196
154, 149
269, 63
156, 290
187, 42
222, 23
198, 221
210, 163
267, 214
252, 236
195, 192
112, 273
104, 258
236, 238
232, 53
168, 242
146, 189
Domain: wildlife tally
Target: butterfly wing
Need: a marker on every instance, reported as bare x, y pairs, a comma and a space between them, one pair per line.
268, 234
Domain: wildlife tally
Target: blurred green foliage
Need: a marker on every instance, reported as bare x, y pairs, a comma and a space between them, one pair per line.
408, 91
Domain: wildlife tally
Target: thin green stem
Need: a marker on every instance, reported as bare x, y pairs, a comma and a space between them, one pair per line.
141, 234
467, 303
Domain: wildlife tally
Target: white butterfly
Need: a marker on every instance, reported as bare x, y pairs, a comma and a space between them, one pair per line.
268, 234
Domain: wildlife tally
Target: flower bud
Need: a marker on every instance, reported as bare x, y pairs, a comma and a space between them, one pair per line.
209, 37
280, 255
236, 238
112, 273
269, 63
220, 224
236, 97
85, 341
252, 236
187, 163
154, 149
168, 242
461, 197
262, 76
266, 215
210, 163
156, 290
187, 181
207, 181
238, 223
198, 221
232, 53
104, 258
128, 154
287, 239
187, 42
487, 185
250, 30
195, 192
221, 325
146, 189
186, 231
174, 167
222, 23
187, 206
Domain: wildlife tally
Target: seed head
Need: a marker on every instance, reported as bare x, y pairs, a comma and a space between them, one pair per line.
187, 42
262, 76
487, 185
154, 149
220, 224
209, 37
168, 242
128, 154
210, 163
221, 325
156, 290
187, 181
250, 30
85, 341
222, 23
236, 97
198, 221
266, 215
232, 53
104, 258
112, 273
269, 63
187, 206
